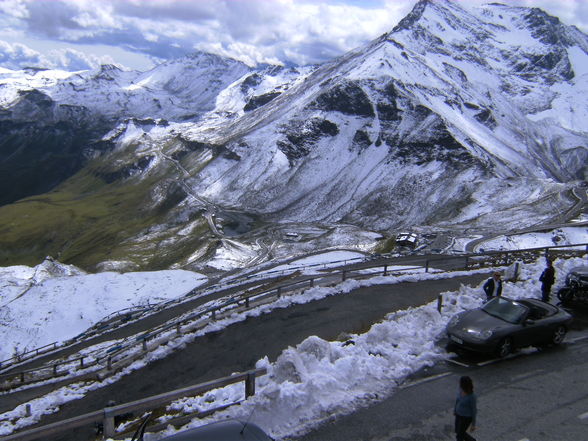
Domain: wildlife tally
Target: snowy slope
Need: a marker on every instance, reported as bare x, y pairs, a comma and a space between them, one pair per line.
440, 112
462, 117
53, 302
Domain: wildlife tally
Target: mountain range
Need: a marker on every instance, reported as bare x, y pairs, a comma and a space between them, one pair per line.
461, 120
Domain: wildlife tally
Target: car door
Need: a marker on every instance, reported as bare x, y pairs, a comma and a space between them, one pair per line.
538, 327
527, 331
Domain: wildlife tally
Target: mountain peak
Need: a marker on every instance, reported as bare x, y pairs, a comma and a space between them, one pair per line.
413, 16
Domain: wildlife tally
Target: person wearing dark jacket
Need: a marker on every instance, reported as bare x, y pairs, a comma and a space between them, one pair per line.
493, 286
465, 410
547, 280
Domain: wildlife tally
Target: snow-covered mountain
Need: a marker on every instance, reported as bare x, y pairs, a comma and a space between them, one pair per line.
461, 118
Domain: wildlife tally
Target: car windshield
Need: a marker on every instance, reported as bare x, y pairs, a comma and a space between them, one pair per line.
505, 309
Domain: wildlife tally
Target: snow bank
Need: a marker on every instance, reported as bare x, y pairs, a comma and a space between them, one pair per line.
54, 302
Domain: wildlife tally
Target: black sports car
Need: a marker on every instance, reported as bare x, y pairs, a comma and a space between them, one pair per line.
502, 324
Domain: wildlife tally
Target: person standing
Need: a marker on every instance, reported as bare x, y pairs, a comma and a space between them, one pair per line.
493, 286
465, 410
547, 280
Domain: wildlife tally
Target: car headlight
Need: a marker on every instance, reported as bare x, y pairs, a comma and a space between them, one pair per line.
482, 334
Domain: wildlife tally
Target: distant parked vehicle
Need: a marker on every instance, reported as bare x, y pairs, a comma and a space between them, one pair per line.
576, 286
227, 430
502, 324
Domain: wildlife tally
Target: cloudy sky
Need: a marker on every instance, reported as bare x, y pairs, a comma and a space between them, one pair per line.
80, 34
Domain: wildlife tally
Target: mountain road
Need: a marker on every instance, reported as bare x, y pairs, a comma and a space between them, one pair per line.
237, 347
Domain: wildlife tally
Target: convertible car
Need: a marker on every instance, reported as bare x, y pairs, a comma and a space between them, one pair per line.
502, 324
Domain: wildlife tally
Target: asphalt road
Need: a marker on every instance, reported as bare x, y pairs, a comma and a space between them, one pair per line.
237, 347
539, 396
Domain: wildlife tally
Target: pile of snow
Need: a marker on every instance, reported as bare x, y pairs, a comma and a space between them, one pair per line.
53, 302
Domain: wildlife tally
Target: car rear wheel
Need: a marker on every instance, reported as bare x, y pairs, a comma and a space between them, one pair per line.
504, 348
558, 335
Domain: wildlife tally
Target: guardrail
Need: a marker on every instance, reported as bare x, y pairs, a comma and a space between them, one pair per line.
107, 416
109, 360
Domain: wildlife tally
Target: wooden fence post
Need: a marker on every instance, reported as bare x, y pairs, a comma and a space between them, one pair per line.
426, 266
247, 302
467, 262
385, 270
178, 329
54, 370
344, 276
145, 345
109, 363
279, 292
439, 302
311, 283
81, 362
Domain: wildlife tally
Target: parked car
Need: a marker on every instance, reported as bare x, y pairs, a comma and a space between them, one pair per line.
576, 286
227, 430
503, 324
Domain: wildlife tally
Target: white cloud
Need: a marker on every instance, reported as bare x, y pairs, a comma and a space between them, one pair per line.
16, 56
254, 31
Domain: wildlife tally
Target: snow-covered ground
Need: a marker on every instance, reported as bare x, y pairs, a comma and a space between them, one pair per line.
560, 236
313, 264
309, 383
54, 302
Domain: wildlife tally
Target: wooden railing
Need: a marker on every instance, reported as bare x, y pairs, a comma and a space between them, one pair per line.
107, 416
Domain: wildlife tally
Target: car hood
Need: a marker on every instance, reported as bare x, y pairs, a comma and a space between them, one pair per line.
478, 319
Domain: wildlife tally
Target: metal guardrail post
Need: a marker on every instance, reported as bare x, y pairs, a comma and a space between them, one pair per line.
426, 266
250, 385
246, 302
81, 362
54, 370
439, 302
311, 283
385, 270
467, 262
178, 329
108, 426
344, 275
279, 292
145, 344
109, 363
